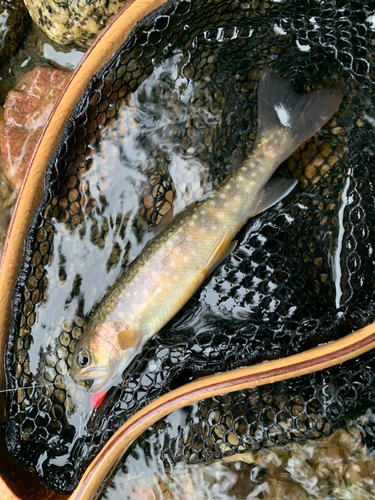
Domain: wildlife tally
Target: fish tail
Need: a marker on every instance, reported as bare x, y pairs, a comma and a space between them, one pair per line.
301, 116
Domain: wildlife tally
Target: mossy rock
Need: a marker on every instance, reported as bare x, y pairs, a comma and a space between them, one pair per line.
75, 23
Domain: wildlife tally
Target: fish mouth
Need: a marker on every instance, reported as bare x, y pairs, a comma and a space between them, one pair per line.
91, 372
98, 375
98, 385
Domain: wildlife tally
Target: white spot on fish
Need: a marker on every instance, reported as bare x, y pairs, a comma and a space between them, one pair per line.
222, 196
243, 169
203, 212
213, 203
228, 186
283, 115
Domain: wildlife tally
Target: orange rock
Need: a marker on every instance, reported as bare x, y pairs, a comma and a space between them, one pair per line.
26, 110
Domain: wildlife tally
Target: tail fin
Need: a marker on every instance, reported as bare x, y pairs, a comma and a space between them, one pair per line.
299, 115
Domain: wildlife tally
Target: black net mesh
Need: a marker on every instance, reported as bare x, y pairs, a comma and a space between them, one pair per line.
308, 408
161, 124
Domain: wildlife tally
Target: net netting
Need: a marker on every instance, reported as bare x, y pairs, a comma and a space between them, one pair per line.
162, 123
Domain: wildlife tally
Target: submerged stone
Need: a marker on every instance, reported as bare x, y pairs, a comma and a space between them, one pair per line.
26, 110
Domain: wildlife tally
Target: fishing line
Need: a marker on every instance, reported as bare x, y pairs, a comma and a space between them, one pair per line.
24, 388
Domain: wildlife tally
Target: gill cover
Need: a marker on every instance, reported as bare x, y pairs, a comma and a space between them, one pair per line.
102, 352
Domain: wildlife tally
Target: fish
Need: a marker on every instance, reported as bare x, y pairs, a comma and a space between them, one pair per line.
178, 260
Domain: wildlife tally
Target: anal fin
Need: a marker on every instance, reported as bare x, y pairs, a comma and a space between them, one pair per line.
220, 252
275, 190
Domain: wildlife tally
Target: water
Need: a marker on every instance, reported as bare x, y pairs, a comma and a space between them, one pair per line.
35, 50
99, 226
86, 259
172, 140
336, 468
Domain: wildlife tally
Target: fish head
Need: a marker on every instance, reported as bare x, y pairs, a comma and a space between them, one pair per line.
99, 356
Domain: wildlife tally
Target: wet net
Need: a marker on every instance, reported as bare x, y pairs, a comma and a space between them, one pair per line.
161, 124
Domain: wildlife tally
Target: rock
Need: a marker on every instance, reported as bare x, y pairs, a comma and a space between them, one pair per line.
36, 50
73, 22
13, 23
26, 110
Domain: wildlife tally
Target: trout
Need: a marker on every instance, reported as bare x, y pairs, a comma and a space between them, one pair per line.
181, 257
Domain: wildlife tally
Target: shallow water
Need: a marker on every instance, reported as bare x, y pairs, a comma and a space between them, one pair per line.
336, 468
35, 50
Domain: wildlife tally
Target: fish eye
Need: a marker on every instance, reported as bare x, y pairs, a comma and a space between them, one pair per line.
83, 358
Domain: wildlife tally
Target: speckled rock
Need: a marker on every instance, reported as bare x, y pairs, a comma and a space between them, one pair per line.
26, 110
73, 22
13, 23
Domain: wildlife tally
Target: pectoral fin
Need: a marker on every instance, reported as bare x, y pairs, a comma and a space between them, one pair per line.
220, 252
129, 338
276, 189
